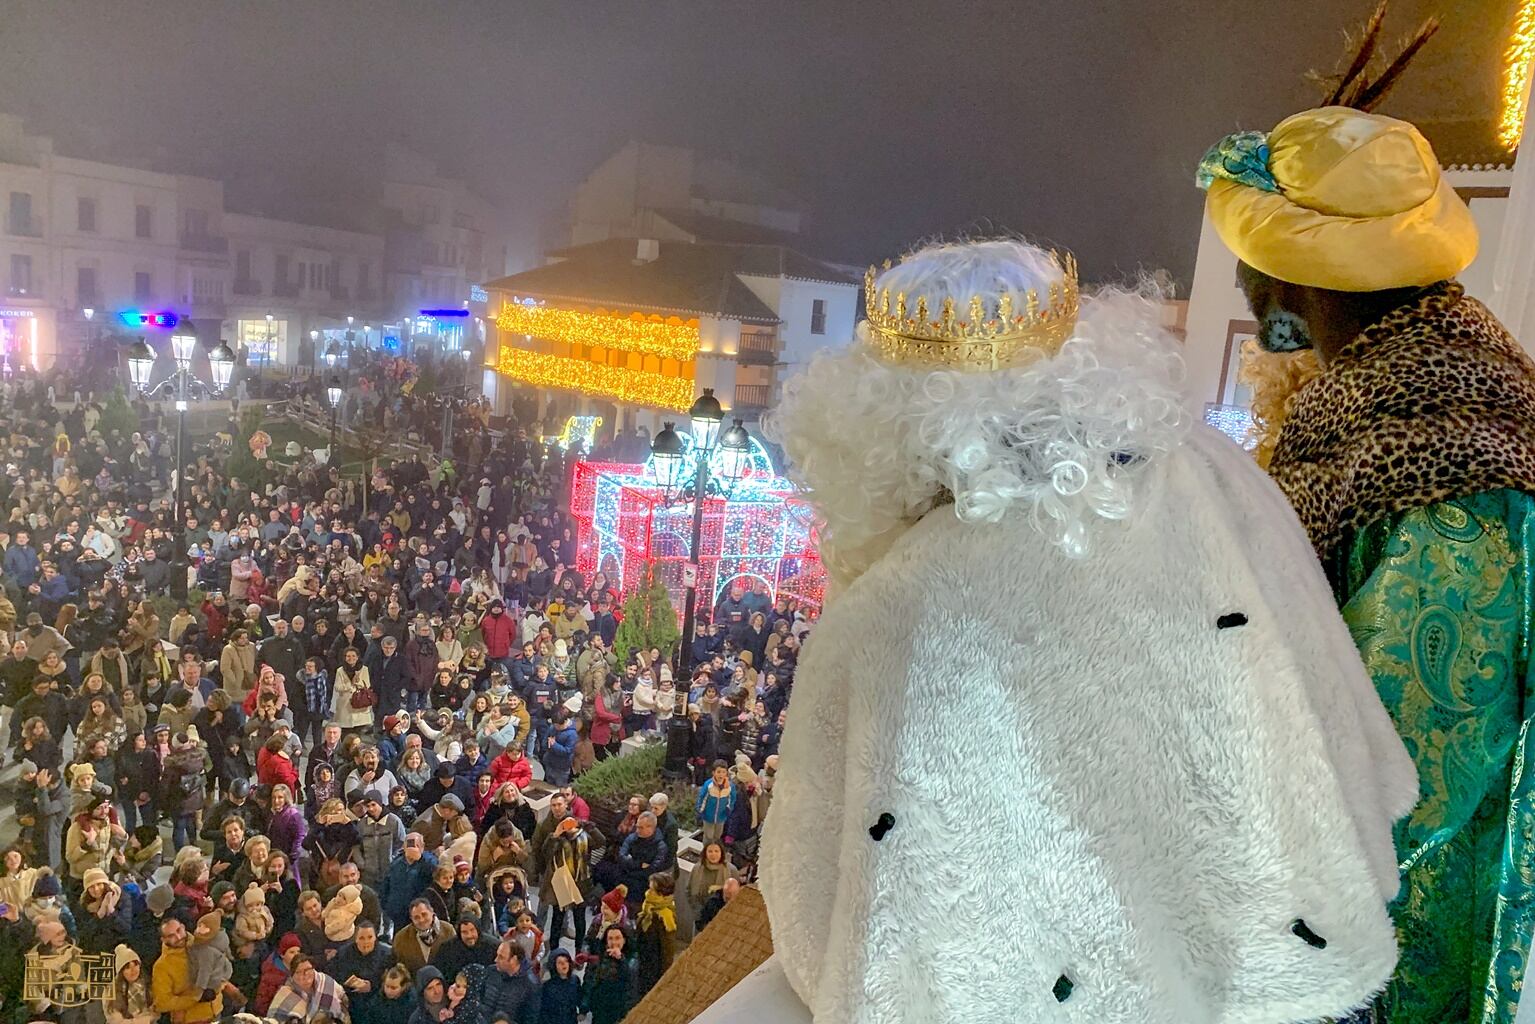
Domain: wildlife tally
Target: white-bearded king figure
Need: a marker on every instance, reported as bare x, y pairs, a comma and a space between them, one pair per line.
1080, 736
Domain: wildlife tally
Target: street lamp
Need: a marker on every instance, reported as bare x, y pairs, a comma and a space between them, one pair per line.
332, 353
333, 396
270, 336
706, 415
183, 344
669, 458
141, 363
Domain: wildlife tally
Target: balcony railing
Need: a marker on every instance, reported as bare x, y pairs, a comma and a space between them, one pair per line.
752, 397
758, 350
285, 290
247, 287
340, 293
205, 243
18, 291
89, 300
24, 227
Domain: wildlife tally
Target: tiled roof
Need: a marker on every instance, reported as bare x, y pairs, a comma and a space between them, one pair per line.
736, 943
704, 228
686, 279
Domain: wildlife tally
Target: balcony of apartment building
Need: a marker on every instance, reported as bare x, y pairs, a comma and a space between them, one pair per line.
23, 226
751, 400
340, 293
247, 286
204, 243
286, 289
757, 350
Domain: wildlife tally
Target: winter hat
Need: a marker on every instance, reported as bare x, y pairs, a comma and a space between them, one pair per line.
160, 899
94, 876
287, 942
46, 885
27, 768
218, 891
211, 923
390, 721
340, 914
80, 770
126, 956
449, 800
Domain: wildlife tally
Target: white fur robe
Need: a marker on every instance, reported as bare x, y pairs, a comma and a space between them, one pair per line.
1107, 809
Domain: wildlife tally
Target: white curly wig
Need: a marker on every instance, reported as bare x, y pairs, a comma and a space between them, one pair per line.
1064, 439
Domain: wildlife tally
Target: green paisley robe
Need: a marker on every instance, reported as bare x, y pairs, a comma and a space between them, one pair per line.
1441, 601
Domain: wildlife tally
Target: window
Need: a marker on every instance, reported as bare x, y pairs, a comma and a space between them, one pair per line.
280, 277
85, 285
243, 265
85, 214
818, 317
21, 213
21, 274
196, 225
143, 284
143, 222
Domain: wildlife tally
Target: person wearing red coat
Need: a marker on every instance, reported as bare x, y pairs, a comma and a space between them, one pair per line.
498, 630
607, 718
274, 767
511, 765
274, 971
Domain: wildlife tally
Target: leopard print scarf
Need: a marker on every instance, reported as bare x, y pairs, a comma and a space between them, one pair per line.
1436, 401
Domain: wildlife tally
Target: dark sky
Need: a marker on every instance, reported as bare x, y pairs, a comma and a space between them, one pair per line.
1075, 121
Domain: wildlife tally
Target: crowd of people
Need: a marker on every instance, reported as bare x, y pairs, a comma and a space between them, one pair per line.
302, 790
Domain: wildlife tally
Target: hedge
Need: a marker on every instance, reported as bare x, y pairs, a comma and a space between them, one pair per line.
610, 784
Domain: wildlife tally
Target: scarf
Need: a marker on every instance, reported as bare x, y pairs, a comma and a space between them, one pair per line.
658, 908
1431, 403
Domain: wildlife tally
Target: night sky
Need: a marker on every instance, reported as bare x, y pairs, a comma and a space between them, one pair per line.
1078, 122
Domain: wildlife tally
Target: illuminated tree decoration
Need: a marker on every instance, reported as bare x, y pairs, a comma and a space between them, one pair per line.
634, 386
666, 337
1518, 66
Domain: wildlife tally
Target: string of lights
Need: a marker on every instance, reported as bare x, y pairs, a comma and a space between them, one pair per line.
1518, 65
760, 531
667, 337
633, 386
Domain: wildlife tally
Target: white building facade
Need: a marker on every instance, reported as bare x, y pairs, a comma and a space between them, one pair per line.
92, 251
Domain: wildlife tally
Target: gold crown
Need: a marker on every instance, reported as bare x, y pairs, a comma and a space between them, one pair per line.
992, 334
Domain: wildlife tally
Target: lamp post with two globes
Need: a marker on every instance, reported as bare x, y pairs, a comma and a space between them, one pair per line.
141, 364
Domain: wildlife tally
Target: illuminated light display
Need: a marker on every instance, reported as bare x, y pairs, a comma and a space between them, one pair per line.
478, 294
760, 530
1518, 66
1234, 421
440, 313
667, 337
634, 386
136, 318
578, 431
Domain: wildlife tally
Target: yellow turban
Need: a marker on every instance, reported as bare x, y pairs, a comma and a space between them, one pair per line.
1351, 201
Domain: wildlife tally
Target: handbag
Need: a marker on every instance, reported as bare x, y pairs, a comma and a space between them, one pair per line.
363, 698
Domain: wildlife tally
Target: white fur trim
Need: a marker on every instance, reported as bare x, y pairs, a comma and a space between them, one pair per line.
1088, 777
